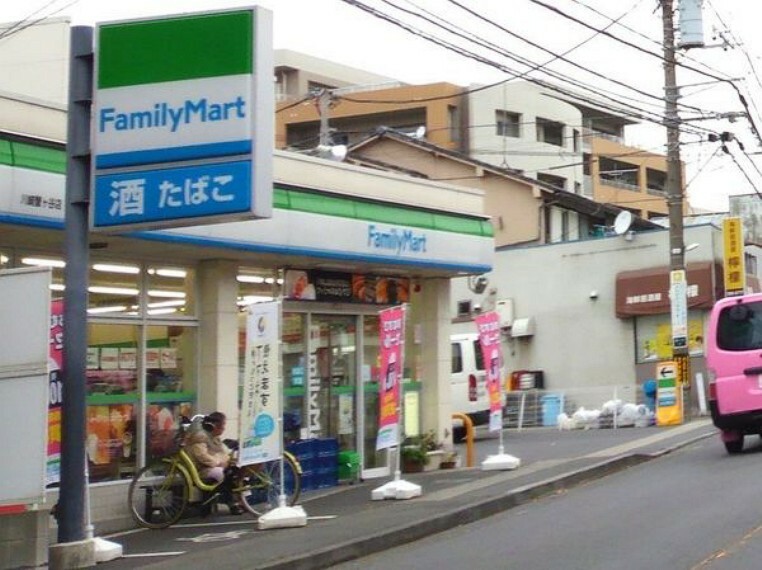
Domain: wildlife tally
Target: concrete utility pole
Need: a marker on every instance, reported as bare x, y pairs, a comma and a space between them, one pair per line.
678, 280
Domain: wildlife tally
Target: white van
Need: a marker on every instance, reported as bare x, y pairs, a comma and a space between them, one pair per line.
468, 382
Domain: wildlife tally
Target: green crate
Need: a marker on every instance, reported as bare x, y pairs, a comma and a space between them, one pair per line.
349, 464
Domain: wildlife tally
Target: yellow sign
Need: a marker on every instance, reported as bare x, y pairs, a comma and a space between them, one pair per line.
733, 258
669, 394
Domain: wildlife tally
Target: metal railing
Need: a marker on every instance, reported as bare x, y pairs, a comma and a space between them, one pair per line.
582, 408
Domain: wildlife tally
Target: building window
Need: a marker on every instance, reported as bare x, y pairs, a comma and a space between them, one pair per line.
550, 132
617, 173
453, 122
656, 181
507, 124
555, 181
564, 226
464, 308
575, 139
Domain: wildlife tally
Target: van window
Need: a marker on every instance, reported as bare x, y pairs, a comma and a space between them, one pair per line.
739, 327
479, 355
457, 358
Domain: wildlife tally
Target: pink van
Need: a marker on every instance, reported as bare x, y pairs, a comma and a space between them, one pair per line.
734, 365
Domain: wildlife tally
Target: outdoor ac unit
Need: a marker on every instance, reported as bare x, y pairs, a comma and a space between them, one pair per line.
523, 327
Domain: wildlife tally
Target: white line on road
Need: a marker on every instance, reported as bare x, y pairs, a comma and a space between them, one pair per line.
150, 554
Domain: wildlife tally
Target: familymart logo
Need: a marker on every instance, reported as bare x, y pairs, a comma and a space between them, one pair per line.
164, 115
398, 240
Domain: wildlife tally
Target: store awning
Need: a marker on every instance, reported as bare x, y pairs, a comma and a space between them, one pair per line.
646, 291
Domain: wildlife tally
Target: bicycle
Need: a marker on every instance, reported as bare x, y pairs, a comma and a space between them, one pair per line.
160, 492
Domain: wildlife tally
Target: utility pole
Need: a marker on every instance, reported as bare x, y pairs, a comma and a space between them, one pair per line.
678, 280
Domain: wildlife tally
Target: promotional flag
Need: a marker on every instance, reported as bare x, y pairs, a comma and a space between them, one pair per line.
488, 325
55, 364
392, 342
260, 431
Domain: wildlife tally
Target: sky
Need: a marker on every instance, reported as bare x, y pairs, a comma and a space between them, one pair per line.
600, 63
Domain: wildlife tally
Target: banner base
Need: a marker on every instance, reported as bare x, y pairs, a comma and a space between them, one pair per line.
283, 517
500, 462
397, 489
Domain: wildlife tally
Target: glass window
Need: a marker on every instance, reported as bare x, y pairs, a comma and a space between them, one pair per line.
113, 288
112, 399
171, 291
507, 124
457, 358
739, 327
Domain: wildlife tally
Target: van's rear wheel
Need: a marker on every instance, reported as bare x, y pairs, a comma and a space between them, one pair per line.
734, 446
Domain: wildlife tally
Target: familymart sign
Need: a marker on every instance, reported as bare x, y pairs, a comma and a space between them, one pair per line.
182, 126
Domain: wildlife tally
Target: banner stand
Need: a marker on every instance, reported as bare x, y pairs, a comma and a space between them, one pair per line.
259, 420
398, 488
488, 326
105, 550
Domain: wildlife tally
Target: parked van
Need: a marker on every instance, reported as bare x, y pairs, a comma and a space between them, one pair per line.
468, 382
734, 367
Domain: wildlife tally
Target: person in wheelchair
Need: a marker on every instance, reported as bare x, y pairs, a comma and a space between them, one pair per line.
213, 458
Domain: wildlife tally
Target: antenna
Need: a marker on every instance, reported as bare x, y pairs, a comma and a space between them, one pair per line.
622, 222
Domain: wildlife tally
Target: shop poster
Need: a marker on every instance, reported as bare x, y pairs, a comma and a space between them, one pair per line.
260, 427
391, 337
55, 364
488, 325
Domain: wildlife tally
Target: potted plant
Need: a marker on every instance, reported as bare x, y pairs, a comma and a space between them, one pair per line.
413, 458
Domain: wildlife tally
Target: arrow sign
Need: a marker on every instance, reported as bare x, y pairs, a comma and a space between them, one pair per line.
667, 370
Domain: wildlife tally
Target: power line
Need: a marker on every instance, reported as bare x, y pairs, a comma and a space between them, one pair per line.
624, 109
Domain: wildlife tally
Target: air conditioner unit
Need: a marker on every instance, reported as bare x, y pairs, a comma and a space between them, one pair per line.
504, 310
523, 327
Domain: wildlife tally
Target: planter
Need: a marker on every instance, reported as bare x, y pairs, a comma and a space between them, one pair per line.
434, 459
409, 466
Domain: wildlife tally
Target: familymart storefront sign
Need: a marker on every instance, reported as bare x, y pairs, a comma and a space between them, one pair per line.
182, 123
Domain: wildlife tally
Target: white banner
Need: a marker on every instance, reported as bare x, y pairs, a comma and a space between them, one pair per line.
260, 432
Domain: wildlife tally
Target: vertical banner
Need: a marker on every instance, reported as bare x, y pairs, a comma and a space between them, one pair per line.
261, 409
55, 363
391, 335
488, 325
733, 257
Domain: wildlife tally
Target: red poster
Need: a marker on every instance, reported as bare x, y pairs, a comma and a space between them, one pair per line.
392, 342
488, 325
55, 364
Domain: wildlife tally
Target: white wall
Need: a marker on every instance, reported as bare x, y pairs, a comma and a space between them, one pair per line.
579, 342
524, 153
34, 62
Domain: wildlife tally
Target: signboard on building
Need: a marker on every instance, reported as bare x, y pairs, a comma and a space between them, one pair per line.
733, 256
183, 114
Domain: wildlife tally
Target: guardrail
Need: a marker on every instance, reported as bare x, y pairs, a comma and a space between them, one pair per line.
595, 407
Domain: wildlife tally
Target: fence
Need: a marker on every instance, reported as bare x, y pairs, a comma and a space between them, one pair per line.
594, 407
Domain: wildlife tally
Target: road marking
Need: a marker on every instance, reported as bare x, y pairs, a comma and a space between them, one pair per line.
151, 554
215, 536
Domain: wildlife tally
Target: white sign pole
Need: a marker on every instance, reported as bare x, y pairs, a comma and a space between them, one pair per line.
282, 516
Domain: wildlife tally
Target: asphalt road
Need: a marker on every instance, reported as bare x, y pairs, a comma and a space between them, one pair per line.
695, 509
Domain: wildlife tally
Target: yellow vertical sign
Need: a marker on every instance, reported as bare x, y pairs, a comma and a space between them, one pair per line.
669, 394
733, 258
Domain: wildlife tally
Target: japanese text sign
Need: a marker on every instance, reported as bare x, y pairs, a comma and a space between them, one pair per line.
488, 325
183, 120
392, 342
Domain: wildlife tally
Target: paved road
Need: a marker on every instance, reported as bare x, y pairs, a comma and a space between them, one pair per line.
344, 523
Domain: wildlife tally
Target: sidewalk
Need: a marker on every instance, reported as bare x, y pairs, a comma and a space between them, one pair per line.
343, 522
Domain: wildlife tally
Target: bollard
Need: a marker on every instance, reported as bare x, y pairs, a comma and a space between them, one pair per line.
469, 425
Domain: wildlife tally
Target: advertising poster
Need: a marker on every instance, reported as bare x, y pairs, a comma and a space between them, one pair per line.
260, 431
391, 337
488, 325
55, 364
338, 287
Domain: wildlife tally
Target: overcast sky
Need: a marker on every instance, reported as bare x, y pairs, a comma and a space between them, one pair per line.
332, 29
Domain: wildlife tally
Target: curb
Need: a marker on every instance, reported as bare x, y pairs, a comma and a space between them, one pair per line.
410, 532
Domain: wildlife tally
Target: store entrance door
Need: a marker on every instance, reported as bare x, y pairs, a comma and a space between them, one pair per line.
334, 342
